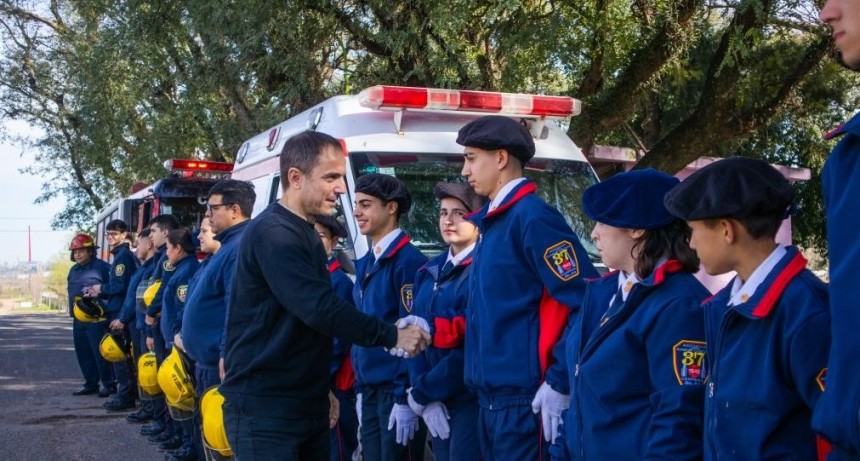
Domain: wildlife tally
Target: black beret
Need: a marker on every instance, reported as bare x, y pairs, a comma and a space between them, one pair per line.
386, 188
462, 192
735, 187
497, 132
332, 224
631, 200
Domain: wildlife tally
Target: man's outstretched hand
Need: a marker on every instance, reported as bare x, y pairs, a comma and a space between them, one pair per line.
413, 336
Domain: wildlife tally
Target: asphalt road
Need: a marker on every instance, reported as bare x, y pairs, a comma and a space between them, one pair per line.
39, 418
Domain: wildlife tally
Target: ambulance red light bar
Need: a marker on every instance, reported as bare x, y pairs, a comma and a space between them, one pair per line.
402, 97
197, 165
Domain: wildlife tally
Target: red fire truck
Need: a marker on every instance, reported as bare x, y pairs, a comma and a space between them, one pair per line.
183, 193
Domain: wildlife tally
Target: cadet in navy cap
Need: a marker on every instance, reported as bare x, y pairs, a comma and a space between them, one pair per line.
390, 429
529, 271
439, 394
636, 351
768, 330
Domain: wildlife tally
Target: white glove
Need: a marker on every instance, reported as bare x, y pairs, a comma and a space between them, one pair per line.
406, 421
436, 417
403, 323
415, 406
358, 407
550, 403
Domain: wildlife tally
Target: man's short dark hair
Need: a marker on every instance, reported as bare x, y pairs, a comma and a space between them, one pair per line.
117, 225
302, 152
164, 222
144, 233
236, 192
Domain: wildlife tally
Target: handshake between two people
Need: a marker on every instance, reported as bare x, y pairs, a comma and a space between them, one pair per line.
413, 336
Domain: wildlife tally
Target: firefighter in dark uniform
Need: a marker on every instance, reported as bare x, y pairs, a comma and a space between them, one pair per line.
114, 293
87, 331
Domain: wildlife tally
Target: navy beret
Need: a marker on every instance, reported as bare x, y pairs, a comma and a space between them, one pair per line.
498, 132
631, 200
332, 224
462, 192
735, 187
386, 188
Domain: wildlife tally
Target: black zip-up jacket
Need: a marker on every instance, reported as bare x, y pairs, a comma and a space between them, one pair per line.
281, 319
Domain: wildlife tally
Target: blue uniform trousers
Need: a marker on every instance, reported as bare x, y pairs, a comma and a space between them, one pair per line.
379, 443
463, 444
94, 367
508, 429
256, 438
344, 436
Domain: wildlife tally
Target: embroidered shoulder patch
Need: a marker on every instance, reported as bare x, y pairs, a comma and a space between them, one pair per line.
181, 292
167, 266
119, 270
561, 259
406, 297
688, 359
821, 379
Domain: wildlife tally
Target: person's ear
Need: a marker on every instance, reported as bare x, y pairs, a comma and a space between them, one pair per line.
295, 178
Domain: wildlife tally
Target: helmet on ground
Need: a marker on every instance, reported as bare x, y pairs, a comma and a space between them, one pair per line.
217, 447
147, 377
88, 310
175, 381
150, 293
82, 241
114, 347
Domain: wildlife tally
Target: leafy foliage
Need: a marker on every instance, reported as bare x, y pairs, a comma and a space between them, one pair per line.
117, 87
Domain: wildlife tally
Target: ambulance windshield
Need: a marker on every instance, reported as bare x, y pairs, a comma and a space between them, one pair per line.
560, 182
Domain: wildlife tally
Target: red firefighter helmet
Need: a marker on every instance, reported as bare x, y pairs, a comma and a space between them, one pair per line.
82, 241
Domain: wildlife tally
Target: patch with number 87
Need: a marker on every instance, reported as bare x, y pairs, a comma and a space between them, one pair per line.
689, 362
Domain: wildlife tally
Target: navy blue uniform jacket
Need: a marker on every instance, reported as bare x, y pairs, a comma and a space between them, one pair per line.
767, 360
208, 295
440, 298
384, 289
162, 272
129, 310
637, 371
121, 271
528, 273
175, 294
94, 272
837, 415
281, 319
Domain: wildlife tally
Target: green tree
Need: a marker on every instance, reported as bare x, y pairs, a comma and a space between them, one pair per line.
56, 281
119, 86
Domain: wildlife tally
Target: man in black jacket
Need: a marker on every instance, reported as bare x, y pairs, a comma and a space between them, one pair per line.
283, 313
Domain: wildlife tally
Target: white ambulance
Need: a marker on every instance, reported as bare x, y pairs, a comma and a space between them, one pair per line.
410, 133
